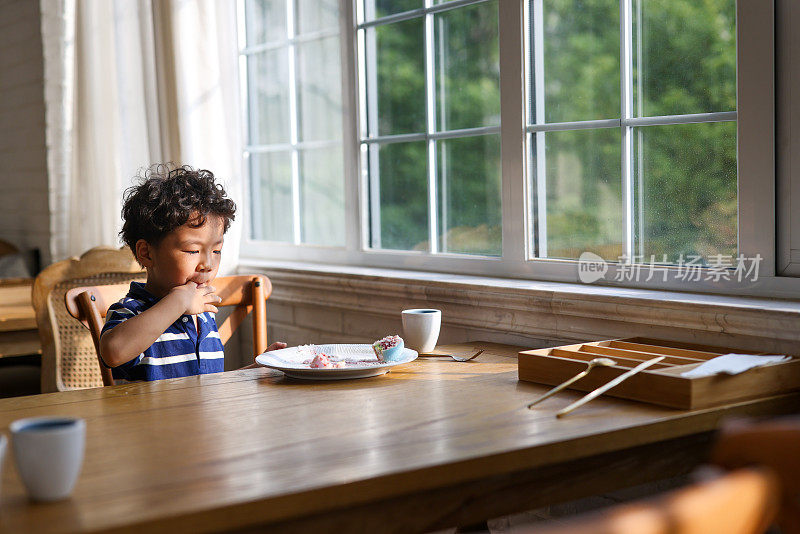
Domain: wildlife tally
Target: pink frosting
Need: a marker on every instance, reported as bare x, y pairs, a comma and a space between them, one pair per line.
320, 360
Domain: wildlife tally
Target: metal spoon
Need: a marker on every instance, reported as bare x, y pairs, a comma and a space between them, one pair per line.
597, 362
468, 358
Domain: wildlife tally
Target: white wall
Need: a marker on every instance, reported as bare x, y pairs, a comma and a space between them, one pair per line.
24, 212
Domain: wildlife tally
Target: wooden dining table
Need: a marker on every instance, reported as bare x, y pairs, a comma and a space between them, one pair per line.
432, 444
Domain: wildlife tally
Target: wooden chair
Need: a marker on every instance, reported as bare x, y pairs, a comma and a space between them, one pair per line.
775, 444
89, 304
69, 360
764, 485
740, 502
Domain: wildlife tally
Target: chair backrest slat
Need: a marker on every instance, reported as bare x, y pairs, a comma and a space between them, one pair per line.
104, 297
91, 314
261, 289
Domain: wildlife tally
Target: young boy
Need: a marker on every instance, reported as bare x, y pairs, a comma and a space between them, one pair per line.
174, 222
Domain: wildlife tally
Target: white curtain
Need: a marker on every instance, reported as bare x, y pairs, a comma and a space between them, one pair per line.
129, 83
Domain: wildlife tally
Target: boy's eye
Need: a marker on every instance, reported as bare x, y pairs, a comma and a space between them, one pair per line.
192, 251
217, 252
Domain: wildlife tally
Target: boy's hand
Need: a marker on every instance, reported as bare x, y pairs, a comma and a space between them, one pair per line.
196, 298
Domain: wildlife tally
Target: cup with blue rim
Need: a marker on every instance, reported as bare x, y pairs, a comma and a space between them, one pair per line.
421, 328
48, 452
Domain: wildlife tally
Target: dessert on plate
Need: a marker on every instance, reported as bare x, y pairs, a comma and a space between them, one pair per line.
322, 360
389, 349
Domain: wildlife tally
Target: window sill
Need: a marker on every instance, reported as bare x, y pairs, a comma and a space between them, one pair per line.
538, 310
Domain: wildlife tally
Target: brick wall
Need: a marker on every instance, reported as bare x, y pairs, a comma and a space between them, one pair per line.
327, 304
297, 324
24, 212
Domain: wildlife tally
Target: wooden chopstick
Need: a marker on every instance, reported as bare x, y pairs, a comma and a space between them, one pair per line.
602, 389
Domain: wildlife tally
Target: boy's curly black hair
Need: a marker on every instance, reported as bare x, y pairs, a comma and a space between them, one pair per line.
166, 197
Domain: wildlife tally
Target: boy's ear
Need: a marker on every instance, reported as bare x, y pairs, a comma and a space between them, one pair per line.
144, 253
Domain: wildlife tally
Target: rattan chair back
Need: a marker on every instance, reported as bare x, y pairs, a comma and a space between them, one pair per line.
69, 359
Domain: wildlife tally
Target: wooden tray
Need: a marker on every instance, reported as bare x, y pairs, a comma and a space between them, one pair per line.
660, 384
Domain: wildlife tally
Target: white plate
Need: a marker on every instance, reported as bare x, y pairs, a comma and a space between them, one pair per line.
361, 359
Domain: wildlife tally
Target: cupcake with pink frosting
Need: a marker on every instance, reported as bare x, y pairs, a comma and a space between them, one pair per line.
389, 349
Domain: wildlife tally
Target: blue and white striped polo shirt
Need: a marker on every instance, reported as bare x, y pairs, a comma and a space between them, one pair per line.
180, 351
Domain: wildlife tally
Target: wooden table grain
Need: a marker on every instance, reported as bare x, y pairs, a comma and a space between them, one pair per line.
432, 444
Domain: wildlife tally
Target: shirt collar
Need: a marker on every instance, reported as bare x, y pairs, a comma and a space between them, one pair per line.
138, 292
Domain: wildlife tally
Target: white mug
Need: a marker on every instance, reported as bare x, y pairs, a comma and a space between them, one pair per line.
421, 329
49, 453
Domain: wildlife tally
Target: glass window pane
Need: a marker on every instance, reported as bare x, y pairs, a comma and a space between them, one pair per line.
584, 194
319, 103
317, 15
265, 21
581, 60
322, 196
268, 97
686, 190
374, 9
468, 67
470, 213
271, 175
396, 99
402, 195
684, 56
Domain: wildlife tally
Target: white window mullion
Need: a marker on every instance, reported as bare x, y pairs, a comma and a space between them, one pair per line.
351, 47
639, 134
539, 136
293, 124
626, 109
443, 175
517, 221
253, 217
369, 127
430, 113
755, 96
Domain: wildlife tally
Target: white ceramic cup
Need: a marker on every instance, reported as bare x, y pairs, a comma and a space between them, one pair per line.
421, 329
48, 452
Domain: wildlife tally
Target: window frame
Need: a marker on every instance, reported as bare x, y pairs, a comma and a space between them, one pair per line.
755, 170
368, 124
626, 123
